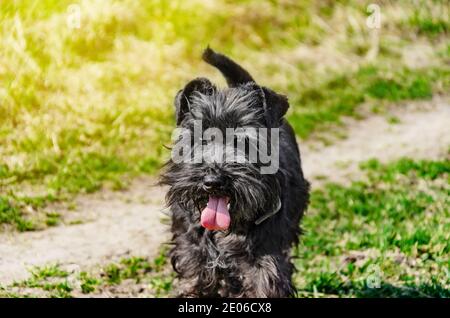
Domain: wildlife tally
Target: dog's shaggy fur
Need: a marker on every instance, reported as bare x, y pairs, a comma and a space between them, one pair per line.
249, 259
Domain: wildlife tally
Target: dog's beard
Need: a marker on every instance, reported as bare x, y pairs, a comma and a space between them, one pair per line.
247, 195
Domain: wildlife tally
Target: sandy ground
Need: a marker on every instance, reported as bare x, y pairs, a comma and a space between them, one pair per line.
117, 224
423, 132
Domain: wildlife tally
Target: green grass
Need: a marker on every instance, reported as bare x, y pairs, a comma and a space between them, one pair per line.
88, 283
385, 236
53, 218
12, 215
342, 95
431, 24
135, 268
25, 213
425, 169
50, 279
393, 120
391, 90
153, 275
129, 268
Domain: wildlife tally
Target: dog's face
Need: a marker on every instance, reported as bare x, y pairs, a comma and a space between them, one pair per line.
223, 189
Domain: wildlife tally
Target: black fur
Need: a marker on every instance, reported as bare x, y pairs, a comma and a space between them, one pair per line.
248, 260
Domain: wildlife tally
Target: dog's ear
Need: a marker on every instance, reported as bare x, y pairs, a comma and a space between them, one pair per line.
276, 106
182, 99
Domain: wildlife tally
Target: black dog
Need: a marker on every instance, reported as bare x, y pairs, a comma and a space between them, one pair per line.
233, 226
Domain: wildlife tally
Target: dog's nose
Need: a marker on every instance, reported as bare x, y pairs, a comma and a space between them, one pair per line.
212, 182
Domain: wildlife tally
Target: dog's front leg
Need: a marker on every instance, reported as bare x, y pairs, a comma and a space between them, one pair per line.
266, 277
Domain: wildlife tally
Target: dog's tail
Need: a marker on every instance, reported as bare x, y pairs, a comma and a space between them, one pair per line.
233, 73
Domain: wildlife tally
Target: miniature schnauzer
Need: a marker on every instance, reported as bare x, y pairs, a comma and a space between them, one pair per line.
235, 209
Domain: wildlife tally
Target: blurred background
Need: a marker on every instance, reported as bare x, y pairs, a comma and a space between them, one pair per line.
86, 91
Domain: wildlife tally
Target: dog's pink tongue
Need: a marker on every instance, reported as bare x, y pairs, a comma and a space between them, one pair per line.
216, 216
208, 217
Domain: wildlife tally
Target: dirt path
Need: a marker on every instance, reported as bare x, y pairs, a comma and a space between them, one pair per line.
423, 131
115, 225
129, 223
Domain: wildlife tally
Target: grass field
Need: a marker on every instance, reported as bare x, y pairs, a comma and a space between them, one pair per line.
386, 235
90, 107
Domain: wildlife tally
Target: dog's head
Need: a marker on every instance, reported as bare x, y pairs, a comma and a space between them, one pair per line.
224, 137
